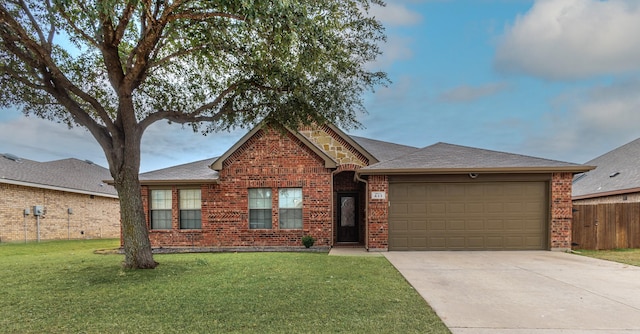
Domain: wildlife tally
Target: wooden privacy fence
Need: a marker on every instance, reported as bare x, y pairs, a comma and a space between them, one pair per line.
606, 226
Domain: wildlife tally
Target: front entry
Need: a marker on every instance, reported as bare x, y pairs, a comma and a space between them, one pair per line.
347, 209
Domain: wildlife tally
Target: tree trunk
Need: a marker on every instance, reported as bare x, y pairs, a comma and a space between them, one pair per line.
137, 248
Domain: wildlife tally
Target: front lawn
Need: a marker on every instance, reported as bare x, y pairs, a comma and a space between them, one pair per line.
628, 256
63, 287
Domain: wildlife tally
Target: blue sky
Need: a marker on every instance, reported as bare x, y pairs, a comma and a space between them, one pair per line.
557, 79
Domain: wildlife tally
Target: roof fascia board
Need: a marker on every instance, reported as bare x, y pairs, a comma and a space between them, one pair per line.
405, 171
369, 156
328, 161
177, 182
607, 193
44, 186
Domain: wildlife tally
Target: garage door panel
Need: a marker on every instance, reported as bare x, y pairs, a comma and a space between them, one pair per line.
436, 208
453, 208
417, 226
468, 216
455, 225
399, 209
474, 225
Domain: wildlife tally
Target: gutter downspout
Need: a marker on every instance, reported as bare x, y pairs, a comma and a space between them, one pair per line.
366, 209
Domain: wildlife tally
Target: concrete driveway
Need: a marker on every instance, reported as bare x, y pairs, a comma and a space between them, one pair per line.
525, 292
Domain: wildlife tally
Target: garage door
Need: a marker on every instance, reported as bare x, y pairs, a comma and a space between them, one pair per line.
468, 216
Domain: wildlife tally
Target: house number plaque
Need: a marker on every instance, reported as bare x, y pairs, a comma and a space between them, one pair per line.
378, 195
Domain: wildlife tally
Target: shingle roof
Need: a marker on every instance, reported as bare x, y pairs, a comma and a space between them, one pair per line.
71, 175
624, 160
442, 157
196, 172
383, 150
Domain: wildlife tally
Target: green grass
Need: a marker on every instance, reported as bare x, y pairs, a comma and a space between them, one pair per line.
63, 287
628, 256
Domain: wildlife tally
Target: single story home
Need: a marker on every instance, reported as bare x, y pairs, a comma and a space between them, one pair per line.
616, 178
62, 199
606, 211
271, 188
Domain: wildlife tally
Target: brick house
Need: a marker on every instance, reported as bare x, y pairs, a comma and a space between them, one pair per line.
616, 178
71, 199
271, 188
607, 201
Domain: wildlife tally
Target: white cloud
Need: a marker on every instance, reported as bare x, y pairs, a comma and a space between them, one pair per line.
586, 124
572, 39
396, 48
395, 14
466, 93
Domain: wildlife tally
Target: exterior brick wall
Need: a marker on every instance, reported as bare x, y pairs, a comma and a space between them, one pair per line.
267, 160
561, 211
378, 216
92, 216
626, 198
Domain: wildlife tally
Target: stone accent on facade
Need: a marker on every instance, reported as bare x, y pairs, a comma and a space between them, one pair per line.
378, 214
335, 146
92, 216
267, 160
561, 211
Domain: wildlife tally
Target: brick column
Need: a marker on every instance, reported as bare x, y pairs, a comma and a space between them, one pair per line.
561, 211
378, 214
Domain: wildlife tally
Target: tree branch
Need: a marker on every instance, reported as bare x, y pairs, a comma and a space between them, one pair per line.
34, 23
79, 31
204, 16
180, 117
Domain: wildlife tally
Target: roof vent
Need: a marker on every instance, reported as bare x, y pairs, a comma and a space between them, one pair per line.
89, 162
614, 174
11, 157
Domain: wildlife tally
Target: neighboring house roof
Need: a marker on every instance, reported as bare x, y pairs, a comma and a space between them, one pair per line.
617, 172
449, 158
70, 175
194, 172
383, 150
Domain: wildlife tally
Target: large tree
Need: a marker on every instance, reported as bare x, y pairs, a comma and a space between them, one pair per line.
117, 66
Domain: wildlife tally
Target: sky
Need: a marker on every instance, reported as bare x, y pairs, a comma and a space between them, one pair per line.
556, 79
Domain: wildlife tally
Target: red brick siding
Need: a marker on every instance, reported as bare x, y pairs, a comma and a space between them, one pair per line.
267, 160
378, 215
561, 210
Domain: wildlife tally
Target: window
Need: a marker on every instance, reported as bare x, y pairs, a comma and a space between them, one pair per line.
290, 204
190, 217
259, 208
160, 209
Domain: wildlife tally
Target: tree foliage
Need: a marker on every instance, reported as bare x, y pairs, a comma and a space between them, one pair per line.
117, 66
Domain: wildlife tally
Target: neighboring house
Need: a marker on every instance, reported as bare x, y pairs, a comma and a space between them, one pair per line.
63, 199
616, 178
271, 188
607, 201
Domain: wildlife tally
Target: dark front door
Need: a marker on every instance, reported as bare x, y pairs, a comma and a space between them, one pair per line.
348, 217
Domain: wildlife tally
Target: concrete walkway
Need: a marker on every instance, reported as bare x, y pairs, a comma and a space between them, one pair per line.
525, 292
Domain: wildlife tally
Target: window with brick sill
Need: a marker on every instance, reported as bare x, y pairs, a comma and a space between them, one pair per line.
290, 208
160, 207
260, 208
190, 209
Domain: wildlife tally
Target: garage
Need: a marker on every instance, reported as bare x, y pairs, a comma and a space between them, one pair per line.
468, 214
